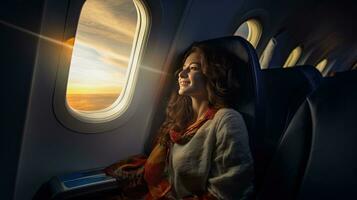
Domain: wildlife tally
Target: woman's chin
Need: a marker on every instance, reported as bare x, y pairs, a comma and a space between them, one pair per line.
182, 92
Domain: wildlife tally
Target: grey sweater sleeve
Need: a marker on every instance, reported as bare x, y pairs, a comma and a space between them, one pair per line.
232, 172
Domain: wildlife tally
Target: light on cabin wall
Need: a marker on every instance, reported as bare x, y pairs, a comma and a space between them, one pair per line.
251, 30
293, 57
321, 65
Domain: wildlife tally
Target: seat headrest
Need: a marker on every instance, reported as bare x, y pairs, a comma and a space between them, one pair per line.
251, 87
236, 45
285, 89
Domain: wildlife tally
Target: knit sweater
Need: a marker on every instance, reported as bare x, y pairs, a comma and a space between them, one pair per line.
217, 159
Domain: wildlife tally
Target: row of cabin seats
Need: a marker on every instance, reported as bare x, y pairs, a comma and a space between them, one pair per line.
304, 154
303, 129
268, 99
283, 91
317, 156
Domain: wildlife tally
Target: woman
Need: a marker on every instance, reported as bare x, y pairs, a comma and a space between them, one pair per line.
202, 151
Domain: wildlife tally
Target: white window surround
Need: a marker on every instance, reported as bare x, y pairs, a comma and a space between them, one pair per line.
254, 31
116, 114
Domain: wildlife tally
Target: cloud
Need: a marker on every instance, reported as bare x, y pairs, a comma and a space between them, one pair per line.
95, 73
116, 62
85, 54
102, 46
116, 16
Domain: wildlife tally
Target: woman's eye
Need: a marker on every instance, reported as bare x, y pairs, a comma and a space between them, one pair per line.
194, 67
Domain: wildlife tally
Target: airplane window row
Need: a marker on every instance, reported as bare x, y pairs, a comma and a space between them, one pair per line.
105, 57
252, 29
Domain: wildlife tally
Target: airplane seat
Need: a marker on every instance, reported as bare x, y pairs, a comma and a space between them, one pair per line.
316, 158
250, 97
284, 91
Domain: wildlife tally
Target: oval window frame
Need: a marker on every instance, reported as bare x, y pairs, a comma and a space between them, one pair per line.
120, 111
255, 31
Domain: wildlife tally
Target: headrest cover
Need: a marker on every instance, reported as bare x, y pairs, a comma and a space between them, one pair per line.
241, 48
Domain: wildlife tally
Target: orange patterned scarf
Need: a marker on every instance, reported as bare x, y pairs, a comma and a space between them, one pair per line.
153, 169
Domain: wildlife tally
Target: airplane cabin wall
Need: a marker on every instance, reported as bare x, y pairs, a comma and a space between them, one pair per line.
18, 50
49, 148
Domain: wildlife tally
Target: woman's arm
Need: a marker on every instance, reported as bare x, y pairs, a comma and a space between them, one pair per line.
232, 170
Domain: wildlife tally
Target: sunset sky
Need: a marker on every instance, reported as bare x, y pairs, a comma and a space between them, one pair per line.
102, 47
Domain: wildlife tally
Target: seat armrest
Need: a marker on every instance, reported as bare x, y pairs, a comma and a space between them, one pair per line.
88, 184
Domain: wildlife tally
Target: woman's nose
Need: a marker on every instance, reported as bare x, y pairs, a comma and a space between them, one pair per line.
182, 73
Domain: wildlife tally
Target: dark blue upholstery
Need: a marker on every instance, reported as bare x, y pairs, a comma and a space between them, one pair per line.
284, 89
317, 156
269, 98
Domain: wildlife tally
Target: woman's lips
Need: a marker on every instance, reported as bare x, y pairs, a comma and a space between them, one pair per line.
184, 83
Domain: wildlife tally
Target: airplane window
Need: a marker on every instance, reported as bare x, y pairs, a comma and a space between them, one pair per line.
321, 65
98, 72
101, 54
293, 57
251, 30
267, 53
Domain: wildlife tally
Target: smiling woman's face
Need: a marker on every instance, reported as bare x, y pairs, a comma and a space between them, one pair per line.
191, 78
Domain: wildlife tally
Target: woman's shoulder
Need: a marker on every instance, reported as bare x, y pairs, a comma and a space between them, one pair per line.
230, 122
227, 113
230, 115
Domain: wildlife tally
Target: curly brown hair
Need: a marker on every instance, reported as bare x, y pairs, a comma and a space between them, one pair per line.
220, 68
